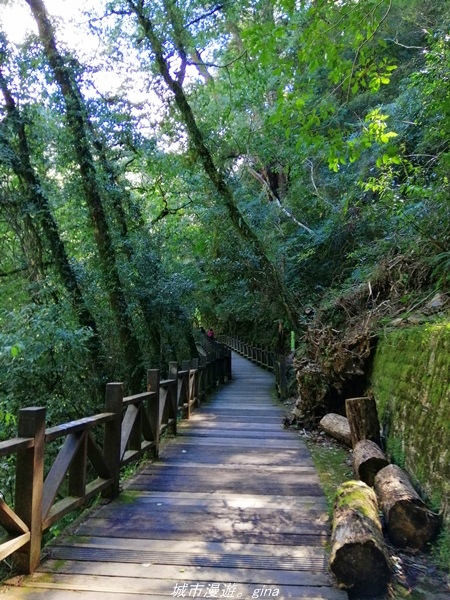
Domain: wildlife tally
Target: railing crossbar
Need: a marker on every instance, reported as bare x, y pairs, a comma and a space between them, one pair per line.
132, 427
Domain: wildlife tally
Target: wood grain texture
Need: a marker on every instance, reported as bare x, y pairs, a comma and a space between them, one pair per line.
234, 500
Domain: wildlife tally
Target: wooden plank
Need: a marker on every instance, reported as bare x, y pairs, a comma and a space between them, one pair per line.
53, 433
224, 417
97, 459
138, 398
205, 470
191, 573
219, 533
178, 452
239, 442
224, 434
131, 414
235, 486
29, 486
74, 592
70, 503
58, 471
234, 501
163, 587
186, 467
189, 511
10, 521
198, 549
245, 427
14, 445
255, 562
224, 500
11, 544
250, 520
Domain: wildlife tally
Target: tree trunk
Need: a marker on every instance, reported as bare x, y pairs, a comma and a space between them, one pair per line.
77, 120
22, 166
359, 559
216, 177
337, 427
368, 459
410, 524
363, 420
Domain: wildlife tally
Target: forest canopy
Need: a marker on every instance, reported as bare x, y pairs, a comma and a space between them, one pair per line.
243, 165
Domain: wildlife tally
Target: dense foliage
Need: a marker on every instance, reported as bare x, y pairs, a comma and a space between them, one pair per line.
238, 164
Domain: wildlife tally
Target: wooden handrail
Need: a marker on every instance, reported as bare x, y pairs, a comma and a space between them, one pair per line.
14, 445
84, 467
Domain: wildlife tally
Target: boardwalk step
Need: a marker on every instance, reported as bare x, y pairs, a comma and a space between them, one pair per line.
233, 509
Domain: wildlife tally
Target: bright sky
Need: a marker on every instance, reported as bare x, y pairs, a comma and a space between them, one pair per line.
71, 29
72, 32
17, 20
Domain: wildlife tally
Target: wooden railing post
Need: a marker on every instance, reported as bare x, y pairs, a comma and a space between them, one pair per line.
220, 358
29, 486
195, 383
282, 384
113, 436
202, 378
228, 369
173, 374
153, 406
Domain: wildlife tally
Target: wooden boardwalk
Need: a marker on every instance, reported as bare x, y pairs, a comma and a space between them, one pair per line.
233, 509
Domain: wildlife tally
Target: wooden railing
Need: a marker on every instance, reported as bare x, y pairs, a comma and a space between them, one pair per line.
88, 460
265, 358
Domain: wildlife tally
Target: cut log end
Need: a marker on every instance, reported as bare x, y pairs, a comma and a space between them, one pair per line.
409, 522
372, 574
412, 525
359, 559
368, 459
363, 419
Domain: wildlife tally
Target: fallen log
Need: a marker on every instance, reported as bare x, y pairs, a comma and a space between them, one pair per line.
359, 559
409, 522
363, 420
337, 427
368, 459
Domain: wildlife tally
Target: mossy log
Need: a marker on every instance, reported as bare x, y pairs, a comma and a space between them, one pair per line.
337, 427
409, 522
363, 420
368, 459
359, 559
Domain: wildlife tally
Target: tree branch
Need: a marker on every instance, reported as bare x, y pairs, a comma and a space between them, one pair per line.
216, 177
274, 198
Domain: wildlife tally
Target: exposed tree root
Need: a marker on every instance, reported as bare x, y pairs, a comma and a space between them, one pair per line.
340, 341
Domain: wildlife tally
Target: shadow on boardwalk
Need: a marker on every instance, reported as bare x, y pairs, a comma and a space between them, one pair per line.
233, 509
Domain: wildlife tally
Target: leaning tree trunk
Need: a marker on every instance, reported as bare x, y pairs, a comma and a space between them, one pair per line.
359, 559
22, 166
368, 459
363, 419
410, 524
77, 120
217, 179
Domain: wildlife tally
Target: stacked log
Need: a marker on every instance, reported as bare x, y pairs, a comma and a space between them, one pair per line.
337, 427
368, 459
359, 559
409, 522
363, 420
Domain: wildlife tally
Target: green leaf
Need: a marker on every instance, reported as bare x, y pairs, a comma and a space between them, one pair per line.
15, 351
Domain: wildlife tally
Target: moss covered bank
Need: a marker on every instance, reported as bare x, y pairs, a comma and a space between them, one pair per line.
411, 383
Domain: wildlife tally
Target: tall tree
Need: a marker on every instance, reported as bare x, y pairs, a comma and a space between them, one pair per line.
197, 139
21, 163
77, 120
